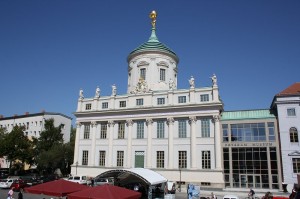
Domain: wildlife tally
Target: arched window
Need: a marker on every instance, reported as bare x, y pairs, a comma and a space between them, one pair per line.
293, 134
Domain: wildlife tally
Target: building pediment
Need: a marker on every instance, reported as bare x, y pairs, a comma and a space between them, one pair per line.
294, 153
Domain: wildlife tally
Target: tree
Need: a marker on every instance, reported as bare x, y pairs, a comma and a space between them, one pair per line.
50, 149
16, 146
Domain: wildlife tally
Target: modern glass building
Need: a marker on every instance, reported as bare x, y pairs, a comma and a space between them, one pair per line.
251, 153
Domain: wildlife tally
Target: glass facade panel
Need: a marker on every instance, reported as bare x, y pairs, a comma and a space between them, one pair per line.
248, 132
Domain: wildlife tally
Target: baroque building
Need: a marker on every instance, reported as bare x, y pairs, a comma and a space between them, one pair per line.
155, 125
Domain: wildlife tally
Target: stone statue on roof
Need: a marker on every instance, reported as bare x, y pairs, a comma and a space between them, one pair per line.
192, 82
97, 94
81, 94
214, 80
114, 90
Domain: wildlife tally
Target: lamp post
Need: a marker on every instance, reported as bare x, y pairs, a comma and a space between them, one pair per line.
76, 166
179, 177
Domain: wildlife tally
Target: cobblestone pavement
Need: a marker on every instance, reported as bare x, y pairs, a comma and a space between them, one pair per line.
242, 194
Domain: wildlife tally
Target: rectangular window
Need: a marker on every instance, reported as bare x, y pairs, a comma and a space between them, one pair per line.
271, 131
140, 130
182, 128
181, 99
103, 131
86, 134
143, 73
104, 105
160, 159
120, 158
88, 106
160, 129
162, 74
296, 165
206, 160
204, 98
293, 134
160, 101
291, 112
225, 132
122, 103
102, 158
205, 128
121, 130
85, 157
248, 132
182, 159
139, 102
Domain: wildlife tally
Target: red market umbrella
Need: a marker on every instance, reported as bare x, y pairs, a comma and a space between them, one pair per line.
105, 192
57, 188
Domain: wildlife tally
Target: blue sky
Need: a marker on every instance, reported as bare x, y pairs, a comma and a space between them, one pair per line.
49, 49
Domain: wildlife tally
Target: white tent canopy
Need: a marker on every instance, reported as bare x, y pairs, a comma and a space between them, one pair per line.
146, 176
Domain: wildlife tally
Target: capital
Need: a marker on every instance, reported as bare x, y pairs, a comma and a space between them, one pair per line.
111, 123
216, 118
170, 120
129, 122
149, 121
192, 119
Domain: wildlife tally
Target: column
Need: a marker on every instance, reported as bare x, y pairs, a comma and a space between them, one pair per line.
170, 122
129, 124
218, 152
111, 125
93, 137
192, 121
149, 123
77, 138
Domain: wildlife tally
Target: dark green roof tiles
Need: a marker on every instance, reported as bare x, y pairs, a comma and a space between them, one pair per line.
153, 45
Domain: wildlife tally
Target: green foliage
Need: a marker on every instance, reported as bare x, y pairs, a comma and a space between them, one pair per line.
16, 146
48, 152
51, 152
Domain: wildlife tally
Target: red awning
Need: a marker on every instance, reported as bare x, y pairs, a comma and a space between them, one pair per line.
57, 188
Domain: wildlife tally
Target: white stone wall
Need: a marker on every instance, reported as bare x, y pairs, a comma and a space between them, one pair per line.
285, 123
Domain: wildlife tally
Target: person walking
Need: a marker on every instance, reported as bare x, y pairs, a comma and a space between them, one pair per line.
10, 193
20, 194
251, 193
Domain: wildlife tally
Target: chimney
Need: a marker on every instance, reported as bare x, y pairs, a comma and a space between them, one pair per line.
43, 111
26, 113
1, 116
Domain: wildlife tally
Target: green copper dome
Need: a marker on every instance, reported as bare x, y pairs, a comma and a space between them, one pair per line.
153, 45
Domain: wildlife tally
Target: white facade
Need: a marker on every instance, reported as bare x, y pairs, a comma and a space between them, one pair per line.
34, 125
175, 132
288, 110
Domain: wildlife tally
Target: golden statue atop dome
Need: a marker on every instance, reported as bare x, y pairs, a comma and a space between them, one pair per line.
153, 16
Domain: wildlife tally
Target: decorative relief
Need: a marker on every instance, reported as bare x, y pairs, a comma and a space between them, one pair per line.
192, 119
216, 118
149, 121
129, 122
94, 123
141, 87
111, 123
78, 124
142, 63
162, 63
170, 120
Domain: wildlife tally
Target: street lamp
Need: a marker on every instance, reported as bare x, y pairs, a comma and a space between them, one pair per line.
179, 177
76, 166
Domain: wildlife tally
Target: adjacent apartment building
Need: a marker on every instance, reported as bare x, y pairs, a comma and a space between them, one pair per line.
286, 105
34, 125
